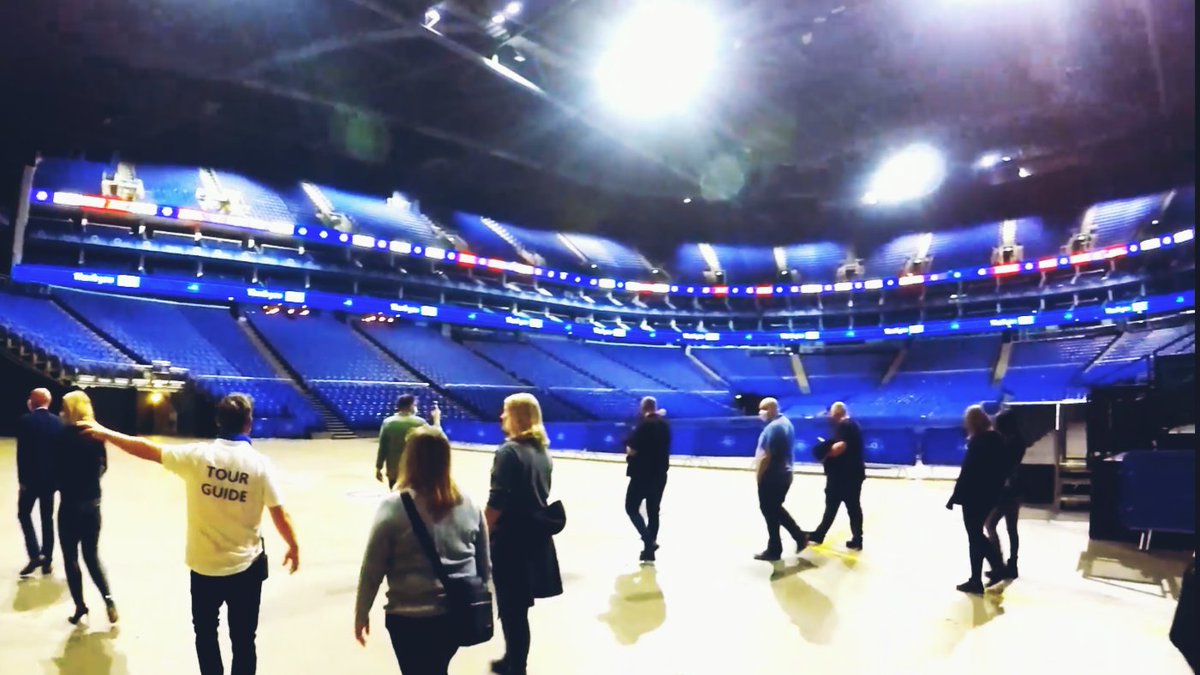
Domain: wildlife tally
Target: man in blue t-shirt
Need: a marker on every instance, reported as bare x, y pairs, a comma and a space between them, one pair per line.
774, 472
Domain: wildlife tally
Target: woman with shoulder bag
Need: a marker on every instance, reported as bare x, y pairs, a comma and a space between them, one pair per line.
429, 599
523, 525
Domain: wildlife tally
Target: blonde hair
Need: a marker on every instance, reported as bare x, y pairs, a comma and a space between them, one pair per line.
976, 420
426, 471
525, 420
77, 407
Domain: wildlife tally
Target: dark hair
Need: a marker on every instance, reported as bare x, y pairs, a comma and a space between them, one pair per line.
405, 401
235, 412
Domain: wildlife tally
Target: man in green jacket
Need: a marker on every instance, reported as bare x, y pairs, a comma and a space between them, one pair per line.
394, 431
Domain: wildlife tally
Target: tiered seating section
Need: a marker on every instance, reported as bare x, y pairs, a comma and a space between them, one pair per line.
359, 368
39, 324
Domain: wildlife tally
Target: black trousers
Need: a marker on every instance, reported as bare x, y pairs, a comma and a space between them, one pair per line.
974, 518
79, 530
241, 593
514, 623
648, 489
1008, 510
423, 646
26, 498
771, 493
836, 494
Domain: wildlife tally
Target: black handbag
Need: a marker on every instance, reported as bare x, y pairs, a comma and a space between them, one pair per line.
468, 598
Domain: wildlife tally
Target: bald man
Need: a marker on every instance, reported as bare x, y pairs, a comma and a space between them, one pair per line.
38, 434
845, 471
774, 473
647, 455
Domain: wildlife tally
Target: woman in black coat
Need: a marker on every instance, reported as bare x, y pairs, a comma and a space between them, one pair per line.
977, 490
1009, 506
524, 560
81, 463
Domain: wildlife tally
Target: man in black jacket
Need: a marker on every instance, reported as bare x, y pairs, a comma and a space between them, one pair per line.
38, 434
845, 471
647, 453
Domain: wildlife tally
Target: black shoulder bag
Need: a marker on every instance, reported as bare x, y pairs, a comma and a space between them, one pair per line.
468, 598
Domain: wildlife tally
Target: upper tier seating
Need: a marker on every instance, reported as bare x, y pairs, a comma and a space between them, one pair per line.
436, 356
817, 261
259, 200
585, 358
1117, 222
66, 175
888, 260
205, 340
319, 347
689, 263
374, 215
49, 328
750, 370
966, 247
667, 365
609, 254
746, 264
533, 365
546, 244
169, 185
481, 240
1038, 239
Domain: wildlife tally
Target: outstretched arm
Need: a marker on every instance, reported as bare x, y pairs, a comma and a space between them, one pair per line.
138, 447
283, 523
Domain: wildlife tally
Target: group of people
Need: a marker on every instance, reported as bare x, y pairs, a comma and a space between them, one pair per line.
426, 532
508, 542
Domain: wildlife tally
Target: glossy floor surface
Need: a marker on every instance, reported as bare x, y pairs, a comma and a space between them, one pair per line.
705, 607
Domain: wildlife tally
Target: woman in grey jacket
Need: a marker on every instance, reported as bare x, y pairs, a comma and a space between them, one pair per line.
417, 618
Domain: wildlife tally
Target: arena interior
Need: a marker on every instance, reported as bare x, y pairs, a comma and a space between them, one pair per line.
910, 207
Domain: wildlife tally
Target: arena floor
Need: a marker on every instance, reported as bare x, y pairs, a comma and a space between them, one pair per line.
706, 607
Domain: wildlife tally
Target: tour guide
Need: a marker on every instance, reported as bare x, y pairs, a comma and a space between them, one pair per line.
228, 483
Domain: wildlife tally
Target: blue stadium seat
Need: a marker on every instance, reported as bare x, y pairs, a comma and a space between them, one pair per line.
481, 240
71, 175
49, 328
205, 340
968, 247
437, 357
747, 264
816, 262
373, 215
319, 347
610, 255
1117, 222
748, 370
690, 264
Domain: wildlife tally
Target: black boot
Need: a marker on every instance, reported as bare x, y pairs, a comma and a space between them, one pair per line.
854, 544
29, 569
80, 612
1012, 568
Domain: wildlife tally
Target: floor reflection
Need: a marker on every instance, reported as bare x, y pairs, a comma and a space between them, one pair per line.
809, 609
637, 606
91, 653
37, 593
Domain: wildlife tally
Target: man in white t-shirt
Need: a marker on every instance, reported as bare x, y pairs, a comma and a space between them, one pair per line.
228, 484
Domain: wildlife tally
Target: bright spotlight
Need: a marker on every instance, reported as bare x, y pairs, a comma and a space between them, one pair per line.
659, 59
912, 173
155, 398
498, 19
1024, 173
989, 160
512, 8
432, 17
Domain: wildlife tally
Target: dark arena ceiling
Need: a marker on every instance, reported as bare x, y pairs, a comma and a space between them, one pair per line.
1094, 97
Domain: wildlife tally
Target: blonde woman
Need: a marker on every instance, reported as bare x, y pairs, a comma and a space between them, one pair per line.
523, 554
418, 620
978, 489
81, 463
